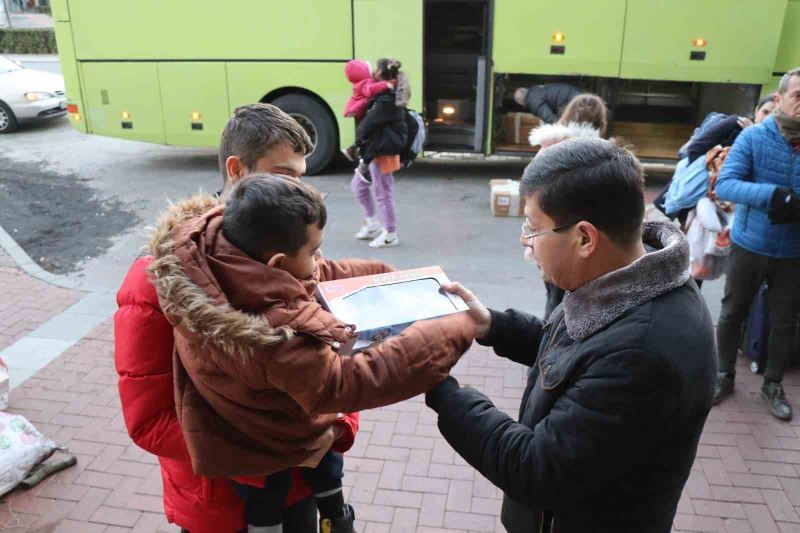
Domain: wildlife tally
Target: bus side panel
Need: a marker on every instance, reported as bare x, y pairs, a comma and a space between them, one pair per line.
525, 36
69, 69
123, 100
789, 47
213, 30
59, 10
405, 43
194, 98
250, 82
741, 40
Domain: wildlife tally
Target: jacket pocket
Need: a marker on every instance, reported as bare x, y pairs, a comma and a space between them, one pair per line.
746, 217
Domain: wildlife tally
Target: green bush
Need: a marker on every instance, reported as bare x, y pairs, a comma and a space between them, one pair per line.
27, 41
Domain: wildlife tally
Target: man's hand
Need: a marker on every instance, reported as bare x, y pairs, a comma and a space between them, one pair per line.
477, 311
785, 206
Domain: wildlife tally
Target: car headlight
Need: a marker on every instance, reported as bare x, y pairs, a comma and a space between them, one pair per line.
34, 96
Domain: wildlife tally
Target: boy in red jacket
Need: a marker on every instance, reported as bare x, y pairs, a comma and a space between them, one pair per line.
258, 138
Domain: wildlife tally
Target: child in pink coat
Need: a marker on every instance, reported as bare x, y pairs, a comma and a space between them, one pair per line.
365, 88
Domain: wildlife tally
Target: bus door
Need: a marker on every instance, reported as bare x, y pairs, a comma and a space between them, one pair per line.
456, 73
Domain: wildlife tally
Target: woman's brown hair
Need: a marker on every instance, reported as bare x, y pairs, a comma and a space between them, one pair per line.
589, 109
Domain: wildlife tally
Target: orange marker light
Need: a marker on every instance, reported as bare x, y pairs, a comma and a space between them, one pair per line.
700, 42
559, 37
196, 116
125, 115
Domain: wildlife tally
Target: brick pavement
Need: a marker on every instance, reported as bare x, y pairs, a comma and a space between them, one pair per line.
27, 302
401, 475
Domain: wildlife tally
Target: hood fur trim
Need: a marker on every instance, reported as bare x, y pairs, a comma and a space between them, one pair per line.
188, 306
598, 303
402, 90
553, 133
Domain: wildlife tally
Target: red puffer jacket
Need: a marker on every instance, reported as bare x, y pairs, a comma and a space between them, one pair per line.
143, 356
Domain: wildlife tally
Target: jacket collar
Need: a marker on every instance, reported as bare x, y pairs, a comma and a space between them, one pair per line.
601, 301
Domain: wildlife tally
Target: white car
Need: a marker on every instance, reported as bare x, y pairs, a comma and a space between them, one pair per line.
28, 95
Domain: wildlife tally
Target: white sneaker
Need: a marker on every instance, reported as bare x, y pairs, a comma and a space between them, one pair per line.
385, 240
369, 230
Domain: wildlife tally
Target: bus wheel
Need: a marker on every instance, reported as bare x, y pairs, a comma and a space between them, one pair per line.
319, 125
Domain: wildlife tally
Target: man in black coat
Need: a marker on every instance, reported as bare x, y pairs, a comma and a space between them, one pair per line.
546, 101
621, 377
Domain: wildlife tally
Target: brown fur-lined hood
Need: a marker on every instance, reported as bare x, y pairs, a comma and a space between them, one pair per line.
213, 292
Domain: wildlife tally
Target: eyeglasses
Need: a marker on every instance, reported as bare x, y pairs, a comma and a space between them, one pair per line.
528, 234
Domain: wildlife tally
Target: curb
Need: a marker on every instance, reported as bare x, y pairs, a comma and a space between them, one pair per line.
30, 267
32, 352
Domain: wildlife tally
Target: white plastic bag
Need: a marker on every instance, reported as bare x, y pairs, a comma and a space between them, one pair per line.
708, 233
21, 448
4, 385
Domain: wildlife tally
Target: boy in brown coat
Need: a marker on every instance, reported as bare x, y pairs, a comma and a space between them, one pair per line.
259, 381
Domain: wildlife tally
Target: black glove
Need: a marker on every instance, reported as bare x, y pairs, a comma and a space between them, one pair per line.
438, 396
785, 206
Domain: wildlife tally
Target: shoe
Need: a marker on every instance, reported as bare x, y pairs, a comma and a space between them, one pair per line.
339, 525
369, 230
776, 400
363, 173
350, 153
723, 388
385, 240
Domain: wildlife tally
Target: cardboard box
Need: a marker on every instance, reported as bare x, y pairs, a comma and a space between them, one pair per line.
505, 198
383, 305
518, 126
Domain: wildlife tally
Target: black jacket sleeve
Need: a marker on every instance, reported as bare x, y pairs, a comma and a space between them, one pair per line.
605, 424
723, 132
514, 335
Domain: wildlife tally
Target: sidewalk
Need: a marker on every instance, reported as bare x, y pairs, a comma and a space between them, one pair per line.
401, 475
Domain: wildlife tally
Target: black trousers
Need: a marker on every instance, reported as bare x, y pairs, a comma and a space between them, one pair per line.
299, 518
265, 506
746, 271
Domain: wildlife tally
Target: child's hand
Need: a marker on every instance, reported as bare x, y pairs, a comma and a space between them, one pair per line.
390, 84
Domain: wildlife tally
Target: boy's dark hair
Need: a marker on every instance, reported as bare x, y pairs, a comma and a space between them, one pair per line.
256, 128
270, 213
589, 179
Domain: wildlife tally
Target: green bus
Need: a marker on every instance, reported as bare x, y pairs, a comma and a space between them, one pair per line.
173, 72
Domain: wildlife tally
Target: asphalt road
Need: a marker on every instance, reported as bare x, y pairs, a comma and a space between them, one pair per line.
443, 210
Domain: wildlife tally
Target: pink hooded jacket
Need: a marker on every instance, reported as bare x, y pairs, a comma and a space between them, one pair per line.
364, 88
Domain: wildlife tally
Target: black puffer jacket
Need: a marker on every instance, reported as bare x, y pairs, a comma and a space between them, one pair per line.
619, 387
547, 101
383, 131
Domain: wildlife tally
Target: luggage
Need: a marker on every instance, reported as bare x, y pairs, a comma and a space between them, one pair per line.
755, 345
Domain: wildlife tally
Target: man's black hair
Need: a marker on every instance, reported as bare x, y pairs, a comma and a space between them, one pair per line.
589, 179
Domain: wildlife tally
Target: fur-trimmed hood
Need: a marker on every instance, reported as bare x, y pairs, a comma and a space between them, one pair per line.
550, 134
203, 302
600, 302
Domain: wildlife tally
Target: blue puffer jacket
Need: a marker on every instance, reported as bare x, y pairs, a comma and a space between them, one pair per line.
760, 161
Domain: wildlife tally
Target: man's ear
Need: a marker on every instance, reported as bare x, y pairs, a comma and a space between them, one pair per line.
276, 261
589, 238
235, 169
